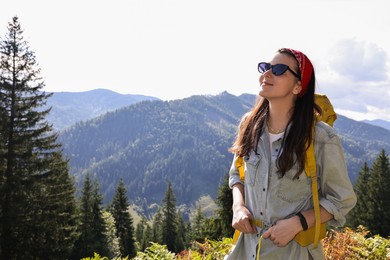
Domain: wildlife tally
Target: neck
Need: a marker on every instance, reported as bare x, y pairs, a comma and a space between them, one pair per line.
279, 115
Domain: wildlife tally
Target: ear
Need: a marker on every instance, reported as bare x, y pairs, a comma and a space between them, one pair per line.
297, 88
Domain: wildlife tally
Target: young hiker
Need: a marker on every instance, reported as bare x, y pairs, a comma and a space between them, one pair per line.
274, 202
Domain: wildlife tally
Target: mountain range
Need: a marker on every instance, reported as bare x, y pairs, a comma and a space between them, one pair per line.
378, 122
152, 142
71, 107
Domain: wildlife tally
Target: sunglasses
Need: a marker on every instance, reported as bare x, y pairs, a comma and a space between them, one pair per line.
277, 69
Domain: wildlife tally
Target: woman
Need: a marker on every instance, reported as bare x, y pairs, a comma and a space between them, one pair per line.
273, 138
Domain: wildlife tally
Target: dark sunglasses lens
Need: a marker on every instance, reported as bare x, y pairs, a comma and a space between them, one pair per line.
279, 69
263, 67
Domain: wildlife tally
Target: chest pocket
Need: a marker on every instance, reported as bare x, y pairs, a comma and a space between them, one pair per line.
294, 190
251, 164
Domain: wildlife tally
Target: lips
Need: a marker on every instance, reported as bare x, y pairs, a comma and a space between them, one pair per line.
265, 83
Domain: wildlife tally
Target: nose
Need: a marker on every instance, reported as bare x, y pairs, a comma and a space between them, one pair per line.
261, 78
265, 74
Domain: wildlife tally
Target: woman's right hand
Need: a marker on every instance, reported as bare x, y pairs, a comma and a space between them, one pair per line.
242, 219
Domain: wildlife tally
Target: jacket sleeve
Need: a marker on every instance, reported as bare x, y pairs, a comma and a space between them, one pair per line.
336, 190
234, 176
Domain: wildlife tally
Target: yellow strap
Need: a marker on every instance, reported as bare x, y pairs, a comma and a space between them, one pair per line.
256, 222
311, 170
236, 236
258, 248
241, 168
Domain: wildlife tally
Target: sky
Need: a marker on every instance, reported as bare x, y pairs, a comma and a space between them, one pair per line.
173, 49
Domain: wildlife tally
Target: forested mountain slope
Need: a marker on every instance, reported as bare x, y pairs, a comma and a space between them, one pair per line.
184, 142
71, 107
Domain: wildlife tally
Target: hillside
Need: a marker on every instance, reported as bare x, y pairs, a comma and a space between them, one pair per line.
378, 122
184, 142
71, 107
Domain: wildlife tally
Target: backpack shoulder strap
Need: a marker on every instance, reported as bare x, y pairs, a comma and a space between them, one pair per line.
328, 115
311, 171
241, 167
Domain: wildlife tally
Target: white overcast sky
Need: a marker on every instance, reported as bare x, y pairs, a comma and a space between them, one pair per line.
172, 49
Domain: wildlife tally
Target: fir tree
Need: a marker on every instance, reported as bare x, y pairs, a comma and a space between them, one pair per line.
36, 193
223, 221
379, 196
123, 221
219, 226
144, 234
197, 225
148, 237
157, 227
93, 230
140, 228
359, 215
112, 239
169, 222
182, 238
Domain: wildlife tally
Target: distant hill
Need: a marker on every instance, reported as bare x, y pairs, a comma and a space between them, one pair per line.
71, 107
378, 122
184, 142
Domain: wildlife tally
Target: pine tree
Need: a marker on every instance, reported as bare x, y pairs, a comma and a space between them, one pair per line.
197, 225
169, 222
144, 234
219, 226
93, 230
359, 215
224, 212
112, 239
123, 221
157, 236
148, 237
36, 193
182, 238
379, 196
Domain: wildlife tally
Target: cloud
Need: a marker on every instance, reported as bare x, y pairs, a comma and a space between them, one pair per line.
359, 60
356, 80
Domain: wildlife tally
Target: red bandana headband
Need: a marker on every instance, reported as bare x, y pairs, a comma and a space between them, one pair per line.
306, 69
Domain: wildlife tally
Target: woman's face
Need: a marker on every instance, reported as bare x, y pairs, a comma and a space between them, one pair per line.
283, 86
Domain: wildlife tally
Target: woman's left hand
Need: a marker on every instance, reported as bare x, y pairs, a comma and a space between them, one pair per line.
283, 231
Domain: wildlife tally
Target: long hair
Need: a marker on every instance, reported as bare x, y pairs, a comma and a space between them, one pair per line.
297, 138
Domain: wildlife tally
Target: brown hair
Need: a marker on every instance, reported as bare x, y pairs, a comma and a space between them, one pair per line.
297, 139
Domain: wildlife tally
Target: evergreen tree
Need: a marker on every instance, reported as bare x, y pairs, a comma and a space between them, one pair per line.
123, 221
223, 221
139, 232
169, 220
182, 238
359, 215
197, 225
148, 237
112, 239
144, 234
218, 226
157, 236
36, 191
93, 230
379, 196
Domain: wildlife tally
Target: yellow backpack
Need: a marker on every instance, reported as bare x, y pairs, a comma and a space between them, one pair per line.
314, 234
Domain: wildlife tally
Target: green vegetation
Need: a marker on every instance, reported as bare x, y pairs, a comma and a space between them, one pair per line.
342, 244
373, 191
37, 203
123, 221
